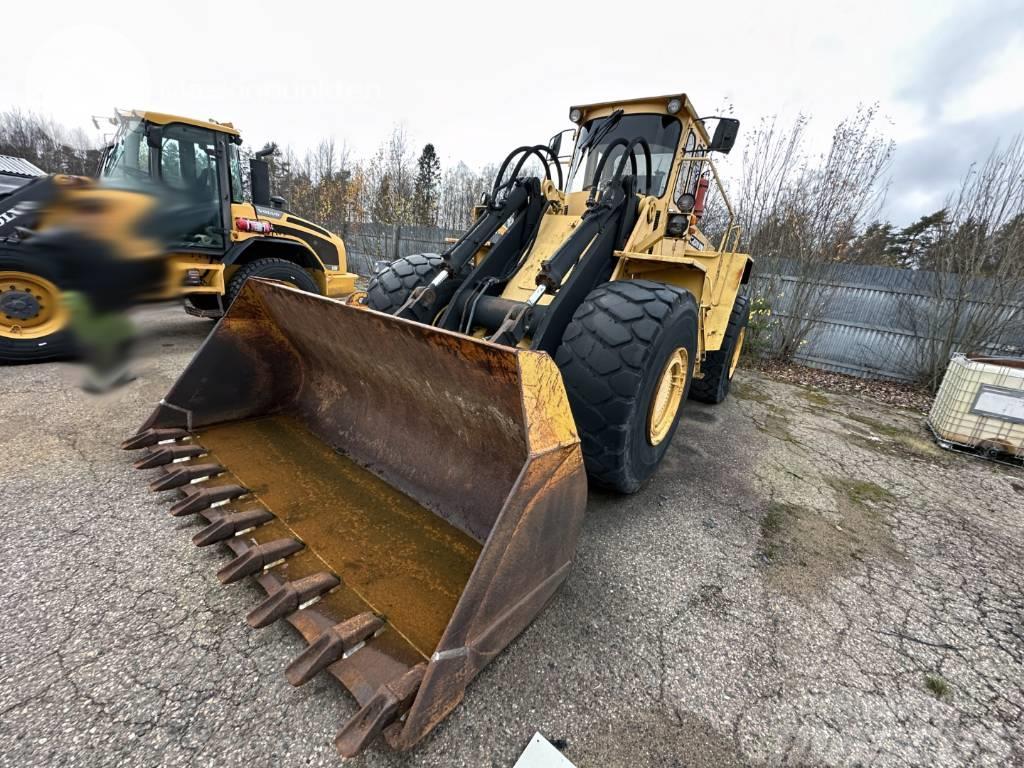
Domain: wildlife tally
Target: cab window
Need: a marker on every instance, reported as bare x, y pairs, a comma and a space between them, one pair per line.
235, 166
689, 170
660, 131
188, 164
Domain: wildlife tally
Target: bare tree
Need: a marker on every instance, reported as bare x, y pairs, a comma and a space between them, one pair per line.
389, 180
48, 144
976, 301
800, 213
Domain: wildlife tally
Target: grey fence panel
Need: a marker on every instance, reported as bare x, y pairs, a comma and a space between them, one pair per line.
370, 243
874, 321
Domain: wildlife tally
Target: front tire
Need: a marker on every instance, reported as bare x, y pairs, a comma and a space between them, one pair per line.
627, 361
390, 288
273, 269
33, 319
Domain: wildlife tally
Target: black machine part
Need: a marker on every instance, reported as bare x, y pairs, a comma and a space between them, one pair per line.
19, 210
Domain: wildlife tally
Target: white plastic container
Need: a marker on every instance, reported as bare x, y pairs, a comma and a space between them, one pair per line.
980, 406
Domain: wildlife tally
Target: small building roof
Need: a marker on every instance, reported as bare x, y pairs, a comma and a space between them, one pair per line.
15, 166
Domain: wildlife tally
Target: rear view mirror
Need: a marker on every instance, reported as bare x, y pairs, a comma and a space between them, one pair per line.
555, 144
725, 135
259, 178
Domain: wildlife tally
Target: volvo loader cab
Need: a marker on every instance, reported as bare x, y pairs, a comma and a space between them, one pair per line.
199, 163
169, 187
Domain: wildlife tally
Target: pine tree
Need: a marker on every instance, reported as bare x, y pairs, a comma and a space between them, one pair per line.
873, 246
913, 244
425, 189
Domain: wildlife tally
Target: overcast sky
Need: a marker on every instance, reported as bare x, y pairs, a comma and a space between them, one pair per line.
949, 76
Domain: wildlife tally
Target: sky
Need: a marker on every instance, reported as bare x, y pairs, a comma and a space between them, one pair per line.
948, 76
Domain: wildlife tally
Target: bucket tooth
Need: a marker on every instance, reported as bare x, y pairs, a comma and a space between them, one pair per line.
387, 704
287, 599
198, 499
150, 437
227, 526
256, 558
331, 645
178, 475
165, 454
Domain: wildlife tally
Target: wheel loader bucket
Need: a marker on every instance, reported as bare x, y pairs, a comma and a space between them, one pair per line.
408, 498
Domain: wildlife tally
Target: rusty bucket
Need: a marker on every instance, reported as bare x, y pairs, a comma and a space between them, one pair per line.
409, 498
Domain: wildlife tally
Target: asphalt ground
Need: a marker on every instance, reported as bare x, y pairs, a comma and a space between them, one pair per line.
806, 581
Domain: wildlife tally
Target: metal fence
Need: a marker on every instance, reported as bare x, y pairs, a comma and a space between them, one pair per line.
874, 321
867, 321
368, 243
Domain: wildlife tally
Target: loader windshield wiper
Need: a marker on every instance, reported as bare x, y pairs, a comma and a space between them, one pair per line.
602, 131
611, 135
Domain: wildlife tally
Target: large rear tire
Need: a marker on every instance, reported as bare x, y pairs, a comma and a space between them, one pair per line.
390, 288
33, 320
627, 361
719, 366
273, 269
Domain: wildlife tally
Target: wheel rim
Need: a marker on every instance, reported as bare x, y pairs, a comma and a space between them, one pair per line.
736, 352
668, 396
30, 306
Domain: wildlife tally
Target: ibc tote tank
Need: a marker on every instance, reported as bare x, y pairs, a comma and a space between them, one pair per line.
980, 406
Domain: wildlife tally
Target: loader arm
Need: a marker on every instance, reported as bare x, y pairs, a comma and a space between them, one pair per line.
20, 208
517, 200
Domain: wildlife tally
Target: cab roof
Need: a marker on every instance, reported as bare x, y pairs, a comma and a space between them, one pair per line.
162, 118
656, 104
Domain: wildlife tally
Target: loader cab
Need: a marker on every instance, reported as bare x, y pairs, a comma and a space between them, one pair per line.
601, 136
192, 166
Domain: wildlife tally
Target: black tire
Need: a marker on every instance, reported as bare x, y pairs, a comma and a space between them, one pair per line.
612, 356
274, 269
390, 288
714, 386
58, 345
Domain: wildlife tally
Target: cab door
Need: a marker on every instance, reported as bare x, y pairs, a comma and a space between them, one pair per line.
193, 168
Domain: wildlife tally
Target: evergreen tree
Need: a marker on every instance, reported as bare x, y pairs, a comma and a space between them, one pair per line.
425, 188
914, 245
873, 246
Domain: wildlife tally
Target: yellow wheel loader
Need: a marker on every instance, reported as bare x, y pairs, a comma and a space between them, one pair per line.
406, 478
167, 184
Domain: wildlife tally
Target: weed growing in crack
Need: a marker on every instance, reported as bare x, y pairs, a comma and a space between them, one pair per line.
937, 686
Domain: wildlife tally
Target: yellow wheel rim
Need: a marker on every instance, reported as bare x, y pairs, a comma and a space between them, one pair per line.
736, 351
668, 395
30, 306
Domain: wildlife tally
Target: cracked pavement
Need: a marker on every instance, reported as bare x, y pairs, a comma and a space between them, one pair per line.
807, 581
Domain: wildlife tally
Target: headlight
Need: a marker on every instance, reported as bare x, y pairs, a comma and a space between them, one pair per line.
575, 114
677, 224
674, 105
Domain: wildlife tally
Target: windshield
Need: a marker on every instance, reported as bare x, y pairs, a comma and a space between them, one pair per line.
127, 160
662, 133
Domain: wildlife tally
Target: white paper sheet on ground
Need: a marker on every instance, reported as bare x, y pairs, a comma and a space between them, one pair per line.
540, 754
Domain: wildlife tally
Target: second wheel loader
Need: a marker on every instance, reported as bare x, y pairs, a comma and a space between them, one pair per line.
407, 479
169, 199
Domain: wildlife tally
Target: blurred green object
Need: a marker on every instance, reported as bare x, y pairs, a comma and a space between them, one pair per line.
105, 340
